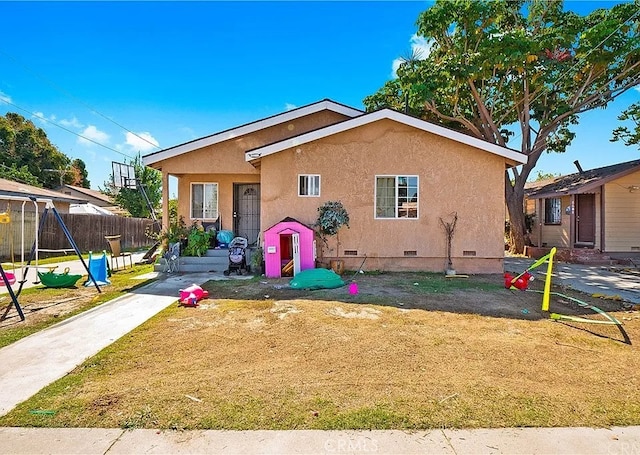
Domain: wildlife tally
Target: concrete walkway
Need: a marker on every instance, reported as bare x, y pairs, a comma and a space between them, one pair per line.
617, 440
35, 361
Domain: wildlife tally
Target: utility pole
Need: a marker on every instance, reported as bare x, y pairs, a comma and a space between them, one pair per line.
61, 173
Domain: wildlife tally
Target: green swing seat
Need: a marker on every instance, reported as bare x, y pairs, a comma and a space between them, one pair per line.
58, 280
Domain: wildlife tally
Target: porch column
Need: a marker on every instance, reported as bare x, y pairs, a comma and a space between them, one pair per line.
165, 200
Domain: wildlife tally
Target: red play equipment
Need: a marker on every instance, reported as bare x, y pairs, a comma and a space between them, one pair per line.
192, 295
520, 282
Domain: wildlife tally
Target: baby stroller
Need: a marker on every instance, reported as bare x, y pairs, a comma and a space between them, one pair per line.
237, 256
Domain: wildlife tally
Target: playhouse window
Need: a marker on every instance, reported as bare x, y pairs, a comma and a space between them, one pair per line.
552, 211
397, 196
204, 201
308, 185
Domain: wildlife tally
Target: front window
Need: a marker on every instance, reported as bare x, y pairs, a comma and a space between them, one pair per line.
309, 185
204, 201
552, 211
397, 196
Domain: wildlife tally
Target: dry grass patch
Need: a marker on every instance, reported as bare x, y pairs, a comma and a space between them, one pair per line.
292, 364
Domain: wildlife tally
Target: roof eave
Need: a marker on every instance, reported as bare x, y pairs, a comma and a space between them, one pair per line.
514, 157
248, 128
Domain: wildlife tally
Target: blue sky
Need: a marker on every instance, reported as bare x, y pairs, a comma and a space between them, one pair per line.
172, 72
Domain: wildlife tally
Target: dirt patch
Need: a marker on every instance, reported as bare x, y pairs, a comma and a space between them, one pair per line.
478, 294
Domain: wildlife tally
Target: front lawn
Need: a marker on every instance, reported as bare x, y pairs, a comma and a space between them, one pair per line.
286, 359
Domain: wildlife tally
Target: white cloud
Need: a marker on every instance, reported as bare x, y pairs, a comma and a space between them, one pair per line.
420, 49
5, 97
93, 133
143, 142
289, 106
74, 122
43, 118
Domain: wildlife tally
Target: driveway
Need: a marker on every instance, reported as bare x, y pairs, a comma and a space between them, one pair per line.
590, 279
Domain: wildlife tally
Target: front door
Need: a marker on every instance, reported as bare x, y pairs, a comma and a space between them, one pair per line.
586, 219
246, 211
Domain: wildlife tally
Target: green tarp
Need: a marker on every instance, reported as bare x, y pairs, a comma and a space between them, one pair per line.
316, 279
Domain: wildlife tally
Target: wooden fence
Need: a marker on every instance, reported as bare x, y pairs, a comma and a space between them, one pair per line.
88, 231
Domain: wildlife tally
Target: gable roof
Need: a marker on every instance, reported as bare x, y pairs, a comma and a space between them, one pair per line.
248, 128
11, 188
580, 182
87, 191
381, 114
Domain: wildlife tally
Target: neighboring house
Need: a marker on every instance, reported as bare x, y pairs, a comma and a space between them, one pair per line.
396, 175
597, 209
95, 199
11, 188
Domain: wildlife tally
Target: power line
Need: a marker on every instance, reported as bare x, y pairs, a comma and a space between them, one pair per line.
63, 91
66, 129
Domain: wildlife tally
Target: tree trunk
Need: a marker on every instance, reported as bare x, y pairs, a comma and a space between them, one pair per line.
518, 229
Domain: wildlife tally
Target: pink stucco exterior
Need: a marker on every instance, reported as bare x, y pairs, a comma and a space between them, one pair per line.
273, 241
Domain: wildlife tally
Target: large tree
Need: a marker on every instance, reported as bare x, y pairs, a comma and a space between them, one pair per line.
27, 147
630, 136
516, 70
132, 199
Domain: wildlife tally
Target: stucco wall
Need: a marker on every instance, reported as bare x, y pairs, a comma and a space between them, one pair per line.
228, 156
225, 163
225, 194
622, 214
452, 178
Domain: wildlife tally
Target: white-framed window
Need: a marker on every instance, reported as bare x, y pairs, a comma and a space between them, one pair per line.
309, 185
396, 196
204, 201
553, 211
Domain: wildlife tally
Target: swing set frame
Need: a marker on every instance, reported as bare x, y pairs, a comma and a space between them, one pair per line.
39, 223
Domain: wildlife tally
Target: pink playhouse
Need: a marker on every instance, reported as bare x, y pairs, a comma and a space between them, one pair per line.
289, 247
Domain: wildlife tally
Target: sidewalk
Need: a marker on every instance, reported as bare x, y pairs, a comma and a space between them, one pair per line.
91, 441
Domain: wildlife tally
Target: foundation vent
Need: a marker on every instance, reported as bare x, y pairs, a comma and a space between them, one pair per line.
469, 253
411, 253
350, 252
635, 248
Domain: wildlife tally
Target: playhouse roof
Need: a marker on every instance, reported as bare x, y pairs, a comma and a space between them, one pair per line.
288, 220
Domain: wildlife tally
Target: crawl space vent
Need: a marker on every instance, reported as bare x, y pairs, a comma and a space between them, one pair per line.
350, 252
411, 253
469, 253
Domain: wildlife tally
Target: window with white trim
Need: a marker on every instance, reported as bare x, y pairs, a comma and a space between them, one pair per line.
309, 185
396, 196
204, 201
553, 211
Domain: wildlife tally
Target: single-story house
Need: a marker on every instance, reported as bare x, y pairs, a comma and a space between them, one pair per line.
595, 209
398, 176
98, 203
17, 189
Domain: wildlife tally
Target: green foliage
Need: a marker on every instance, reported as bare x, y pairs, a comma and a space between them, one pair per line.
19, 175
623, 133
541, 176
25, 147
529, 67
176, 232
78, 175
197, 241
132, 199
331, 217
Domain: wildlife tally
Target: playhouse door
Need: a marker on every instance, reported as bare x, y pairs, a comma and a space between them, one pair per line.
295, 241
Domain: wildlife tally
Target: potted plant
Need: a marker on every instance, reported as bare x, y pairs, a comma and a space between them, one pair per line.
197, 240
257, 261
332, 215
